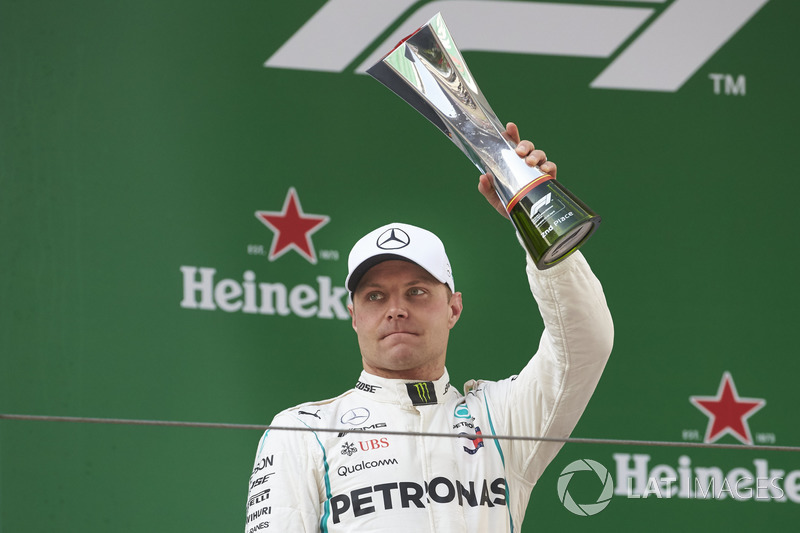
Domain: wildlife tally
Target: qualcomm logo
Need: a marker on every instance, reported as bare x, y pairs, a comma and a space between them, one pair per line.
657, 45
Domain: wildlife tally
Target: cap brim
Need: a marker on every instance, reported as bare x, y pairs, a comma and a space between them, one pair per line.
360, 270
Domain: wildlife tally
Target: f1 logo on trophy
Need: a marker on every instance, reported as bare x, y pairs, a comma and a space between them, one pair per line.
427, 71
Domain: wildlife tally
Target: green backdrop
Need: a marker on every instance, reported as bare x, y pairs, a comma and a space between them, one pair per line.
140, 139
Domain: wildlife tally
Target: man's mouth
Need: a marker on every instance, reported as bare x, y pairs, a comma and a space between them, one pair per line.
393, 333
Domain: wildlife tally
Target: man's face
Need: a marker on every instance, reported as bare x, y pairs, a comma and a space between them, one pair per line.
403, 316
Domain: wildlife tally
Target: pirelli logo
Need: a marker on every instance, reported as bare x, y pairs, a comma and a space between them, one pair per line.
422, 393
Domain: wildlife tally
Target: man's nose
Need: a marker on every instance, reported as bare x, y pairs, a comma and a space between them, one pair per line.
396, 309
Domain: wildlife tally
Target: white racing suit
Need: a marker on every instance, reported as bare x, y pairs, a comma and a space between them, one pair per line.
316, 481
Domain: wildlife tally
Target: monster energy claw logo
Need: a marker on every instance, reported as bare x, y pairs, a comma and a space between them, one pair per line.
422, 393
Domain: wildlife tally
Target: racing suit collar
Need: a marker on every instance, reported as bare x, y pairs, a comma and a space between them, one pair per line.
405, 391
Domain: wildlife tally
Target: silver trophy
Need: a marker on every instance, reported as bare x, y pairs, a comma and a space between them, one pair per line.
427, 71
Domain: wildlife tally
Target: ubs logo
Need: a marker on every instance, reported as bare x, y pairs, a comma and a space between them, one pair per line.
373, 444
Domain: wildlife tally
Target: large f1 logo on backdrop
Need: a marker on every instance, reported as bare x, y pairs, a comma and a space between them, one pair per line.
661, 43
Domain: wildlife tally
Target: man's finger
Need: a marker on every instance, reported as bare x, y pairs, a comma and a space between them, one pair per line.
486, 188
513, 132
524, 148
549, 167
536, 157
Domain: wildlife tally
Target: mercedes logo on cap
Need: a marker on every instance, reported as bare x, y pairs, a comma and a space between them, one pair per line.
393, 239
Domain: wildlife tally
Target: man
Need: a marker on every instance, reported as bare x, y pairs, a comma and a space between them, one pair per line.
404, 305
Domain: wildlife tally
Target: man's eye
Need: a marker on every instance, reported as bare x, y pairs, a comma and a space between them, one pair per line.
416, 291
373, 296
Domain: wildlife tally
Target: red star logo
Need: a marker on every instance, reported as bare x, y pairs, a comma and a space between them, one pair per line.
292, 228
727, 412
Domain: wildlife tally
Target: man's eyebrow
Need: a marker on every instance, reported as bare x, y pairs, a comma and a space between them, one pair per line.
417, 281
422, 281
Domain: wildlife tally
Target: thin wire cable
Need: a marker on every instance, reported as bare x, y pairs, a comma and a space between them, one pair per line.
570, 440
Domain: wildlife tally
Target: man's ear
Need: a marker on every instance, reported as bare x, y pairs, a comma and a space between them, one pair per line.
352, 316
456, 307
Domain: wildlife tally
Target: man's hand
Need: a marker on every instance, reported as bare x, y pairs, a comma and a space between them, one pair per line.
525, 150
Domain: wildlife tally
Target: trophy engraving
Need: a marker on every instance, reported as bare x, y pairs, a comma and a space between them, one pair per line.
428, 72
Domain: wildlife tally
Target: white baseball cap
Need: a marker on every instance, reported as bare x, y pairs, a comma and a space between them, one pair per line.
399, 241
